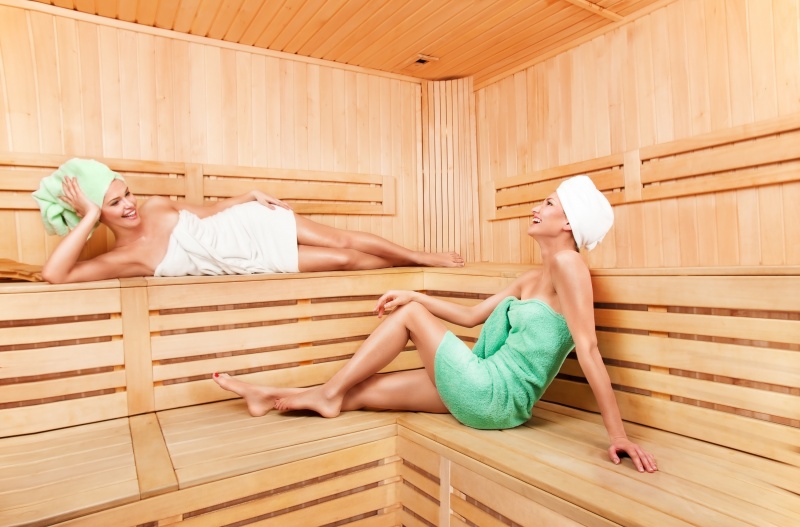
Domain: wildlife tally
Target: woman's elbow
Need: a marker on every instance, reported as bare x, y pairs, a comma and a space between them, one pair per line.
53, 277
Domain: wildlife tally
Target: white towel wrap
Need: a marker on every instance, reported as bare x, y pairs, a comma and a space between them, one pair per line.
244, 239
588, 211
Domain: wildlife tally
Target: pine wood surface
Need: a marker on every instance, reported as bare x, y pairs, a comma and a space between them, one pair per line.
699, 356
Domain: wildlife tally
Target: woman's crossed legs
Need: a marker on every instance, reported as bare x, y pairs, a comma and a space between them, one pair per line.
358, 385
325, 248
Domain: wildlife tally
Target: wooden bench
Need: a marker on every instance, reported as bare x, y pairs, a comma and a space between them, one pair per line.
338, 194
109, 416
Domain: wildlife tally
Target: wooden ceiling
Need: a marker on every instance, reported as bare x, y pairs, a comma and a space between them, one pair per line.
486, 39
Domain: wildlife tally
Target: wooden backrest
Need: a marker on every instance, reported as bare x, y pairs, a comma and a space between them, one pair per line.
285, 331
309, 192
26, 240
708, 355
62, 361
747, 156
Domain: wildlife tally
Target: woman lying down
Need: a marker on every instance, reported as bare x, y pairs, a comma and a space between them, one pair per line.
251, 233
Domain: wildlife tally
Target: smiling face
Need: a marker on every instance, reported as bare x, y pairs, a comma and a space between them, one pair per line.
548, 218
119, 206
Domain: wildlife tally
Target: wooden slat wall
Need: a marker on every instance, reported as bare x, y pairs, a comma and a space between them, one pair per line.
308, 192
62, 357
273, 331
693, 67
448, 200
80, 85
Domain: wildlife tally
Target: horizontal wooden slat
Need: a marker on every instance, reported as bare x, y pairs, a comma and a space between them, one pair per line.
582, 167
339, 208
426, 485
192, 344
769, 293
784, 123
199, 392
262, 314
521, 211
21, 202
20, 180
44, 361
769, 440
770, 330
739, 156
534, 190
226, 171
120, 165
422, 505
156, 186
89, 468
751, 178
56, 332
28, 391
179, 370
511, 505
293, 190
61, 414
198, 292
419, 456
764, 401
712, 358
51, 304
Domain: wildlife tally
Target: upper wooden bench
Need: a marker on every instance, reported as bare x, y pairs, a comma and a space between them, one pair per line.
109, 416
309, 192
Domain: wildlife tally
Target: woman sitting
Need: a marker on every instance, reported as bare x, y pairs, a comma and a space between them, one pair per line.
529, 328
251, 233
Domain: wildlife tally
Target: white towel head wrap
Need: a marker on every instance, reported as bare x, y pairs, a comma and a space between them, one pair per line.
588, 211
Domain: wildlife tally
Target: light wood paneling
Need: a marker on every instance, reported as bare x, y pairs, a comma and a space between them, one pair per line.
448, 193
482, 39
87, 86
690, 69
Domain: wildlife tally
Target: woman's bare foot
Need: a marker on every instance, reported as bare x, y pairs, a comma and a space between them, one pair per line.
448, 259
312, 399
260, 399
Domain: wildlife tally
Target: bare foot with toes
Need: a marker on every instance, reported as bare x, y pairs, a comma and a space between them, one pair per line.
259, 399
446, 259
312, 399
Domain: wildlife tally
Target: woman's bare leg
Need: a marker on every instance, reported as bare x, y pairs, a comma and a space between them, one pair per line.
259, 399
410, 391
318, 235
310, 259
386, 342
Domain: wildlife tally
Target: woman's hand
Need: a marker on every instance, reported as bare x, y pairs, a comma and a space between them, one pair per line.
643, 460
267, 200
73, 196
391, 300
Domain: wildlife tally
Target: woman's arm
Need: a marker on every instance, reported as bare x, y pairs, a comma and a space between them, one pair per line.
463, 315
203, 211
574, 288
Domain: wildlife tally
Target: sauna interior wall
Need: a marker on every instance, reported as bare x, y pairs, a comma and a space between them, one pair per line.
691, 67
87, 86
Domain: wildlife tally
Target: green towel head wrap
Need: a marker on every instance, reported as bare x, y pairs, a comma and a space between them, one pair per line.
94, 179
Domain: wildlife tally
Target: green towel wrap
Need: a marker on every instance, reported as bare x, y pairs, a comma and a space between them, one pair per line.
94, 179
521, 347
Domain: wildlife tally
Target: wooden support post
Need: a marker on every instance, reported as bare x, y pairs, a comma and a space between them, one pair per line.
136, 346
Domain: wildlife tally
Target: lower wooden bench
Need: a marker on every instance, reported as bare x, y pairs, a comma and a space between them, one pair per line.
108, 415
383, 469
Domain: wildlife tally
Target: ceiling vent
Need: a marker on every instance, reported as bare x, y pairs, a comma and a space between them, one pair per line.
424, 59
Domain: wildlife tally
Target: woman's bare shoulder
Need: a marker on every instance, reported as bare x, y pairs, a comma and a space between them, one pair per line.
158, 202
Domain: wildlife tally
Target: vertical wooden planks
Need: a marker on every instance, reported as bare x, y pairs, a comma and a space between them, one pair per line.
685, 69
115, 92
448, 178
